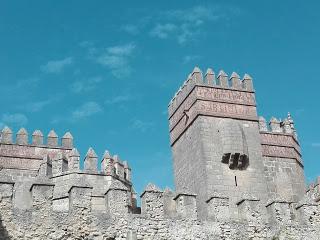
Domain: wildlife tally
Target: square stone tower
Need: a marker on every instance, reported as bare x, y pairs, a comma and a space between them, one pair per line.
215, 139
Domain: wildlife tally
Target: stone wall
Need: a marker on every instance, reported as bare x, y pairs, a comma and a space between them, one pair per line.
81, 221
235, 176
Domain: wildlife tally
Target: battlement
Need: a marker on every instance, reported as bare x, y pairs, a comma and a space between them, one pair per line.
313, 190
236, 177
116, 200
64, 163
37, 139
210, 80
285, 126
51, 158
211, 96
279, 139
54, 170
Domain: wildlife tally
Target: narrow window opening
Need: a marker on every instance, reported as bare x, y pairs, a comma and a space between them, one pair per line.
235, 180
64, 165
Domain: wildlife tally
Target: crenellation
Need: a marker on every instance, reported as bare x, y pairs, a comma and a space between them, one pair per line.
52, 139
186, 205
152, 202
247, 82
107, 164
6, 135
250, 209
196, 76
227, 164
117, 198
308, 211
67, 140
74, 160
275, 125
285, 125
118, 167
37, 138
58, 163
222, 79
210, 77
42, 193
279, 211
218, 207
235, 81
80, 197
22, 137
127, 171
91, 161
263, 127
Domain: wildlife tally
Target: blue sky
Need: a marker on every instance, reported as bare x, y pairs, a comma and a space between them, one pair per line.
106, 70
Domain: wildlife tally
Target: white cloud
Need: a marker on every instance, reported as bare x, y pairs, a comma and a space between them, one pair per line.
141, 125
131, 29
16, 119
117, 58
119, 99
85, 85
86, 44
57, 66
196, 15
190, 58
184, 25
36, 106
86, 110
163, 30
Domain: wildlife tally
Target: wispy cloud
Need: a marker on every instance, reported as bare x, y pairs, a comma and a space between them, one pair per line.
57, 66
81, 112
86, 44
36, 106
186, 24
86, 110
131, 29
190, 58
315, 144
85, 85
117, 59
163, 30
141, 125
119, 99
23, 86
13, 119
196, 15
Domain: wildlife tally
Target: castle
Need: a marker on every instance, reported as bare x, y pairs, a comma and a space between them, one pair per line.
235, 177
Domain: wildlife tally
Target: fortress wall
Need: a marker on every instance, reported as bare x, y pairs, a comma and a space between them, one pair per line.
27, 156
215, 136
283, 164
232, 183
284, 177
82, 221
189, 164
218, 116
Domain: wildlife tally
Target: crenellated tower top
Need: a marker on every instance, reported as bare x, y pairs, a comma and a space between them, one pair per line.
213, 96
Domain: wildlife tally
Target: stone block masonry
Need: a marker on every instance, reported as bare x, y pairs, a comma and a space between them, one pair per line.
236, 177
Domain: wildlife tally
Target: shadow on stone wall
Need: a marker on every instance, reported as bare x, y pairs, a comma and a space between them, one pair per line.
3, 232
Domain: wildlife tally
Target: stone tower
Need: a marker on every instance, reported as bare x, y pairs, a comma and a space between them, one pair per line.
217, 145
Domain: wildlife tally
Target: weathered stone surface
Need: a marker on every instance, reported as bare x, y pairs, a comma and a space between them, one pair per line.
227, 163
